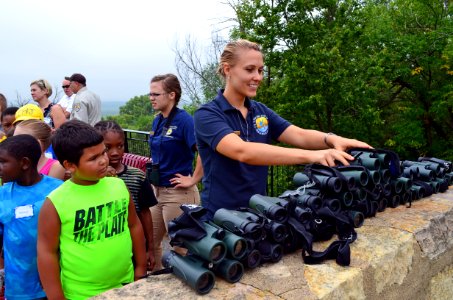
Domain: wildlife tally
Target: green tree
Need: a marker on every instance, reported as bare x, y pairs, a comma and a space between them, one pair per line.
136, 114
412, 41
378, 71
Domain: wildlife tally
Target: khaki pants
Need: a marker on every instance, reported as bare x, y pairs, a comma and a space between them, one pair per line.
169, 199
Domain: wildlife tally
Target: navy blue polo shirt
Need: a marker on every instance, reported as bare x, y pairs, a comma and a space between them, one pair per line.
173, 151
228, 183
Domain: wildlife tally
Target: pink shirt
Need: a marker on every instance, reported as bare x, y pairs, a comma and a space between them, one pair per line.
46, 168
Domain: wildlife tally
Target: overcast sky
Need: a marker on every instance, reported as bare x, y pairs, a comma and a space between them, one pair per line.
117, 45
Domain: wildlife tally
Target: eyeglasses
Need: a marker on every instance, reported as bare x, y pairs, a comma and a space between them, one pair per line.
65, 86
155, 95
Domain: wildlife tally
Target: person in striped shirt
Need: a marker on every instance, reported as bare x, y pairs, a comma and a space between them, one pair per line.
134, 178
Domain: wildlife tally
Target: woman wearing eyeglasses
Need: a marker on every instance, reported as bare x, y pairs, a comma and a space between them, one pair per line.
234, 135
172, 145
41, 90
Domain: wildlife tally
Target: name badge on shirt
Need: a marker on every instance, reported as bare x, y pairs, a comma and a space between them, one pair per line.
23, 211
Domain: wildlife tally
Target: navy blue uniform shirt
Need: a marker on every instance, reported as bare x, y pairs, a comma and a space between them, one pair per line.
174, 150
228, 183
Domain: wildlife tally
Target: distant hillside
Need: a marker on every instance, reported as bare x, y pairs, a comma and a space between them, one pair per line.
111, 108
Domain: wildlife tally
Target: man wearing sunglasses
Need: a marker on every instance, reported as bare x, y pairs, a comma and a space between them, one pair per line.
87, 105
67, 99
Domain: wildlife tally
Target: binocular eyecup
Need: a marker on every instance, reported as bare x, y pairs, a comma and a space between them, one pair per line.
229, 269
276, 231
240, 223
209, 248
360, 177
270, 251
356, 217
273, 208
252, 259
306, 200
190, 270
331, 184
236, 246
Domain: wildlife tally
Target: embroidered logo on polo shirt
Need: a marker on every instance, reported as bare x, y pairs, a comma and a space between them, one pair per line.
170, 131
77, 107
261, 124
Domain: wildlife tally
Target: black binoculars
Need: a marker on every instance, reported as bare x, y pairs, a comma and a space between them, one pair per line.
229, 269
190, 270
436, 168
211, 248
236, 246
330, 183
358, 173
369, 160
240, 223
273, 208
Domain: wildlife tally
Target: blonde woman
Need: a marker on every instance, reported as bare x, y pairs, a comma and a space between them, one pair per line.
42, 132
235, 135
54, 115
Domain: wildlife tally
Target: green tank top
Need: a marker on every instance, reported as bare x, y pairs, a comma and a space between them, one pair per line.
95, 242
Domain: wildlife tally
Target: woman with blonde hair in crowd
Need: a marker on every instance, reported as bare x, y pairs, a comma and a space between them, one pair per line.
54, 115
42, 132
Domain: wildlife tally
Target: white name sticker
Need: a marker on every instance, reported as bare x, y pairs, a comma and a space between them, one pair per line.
24, 211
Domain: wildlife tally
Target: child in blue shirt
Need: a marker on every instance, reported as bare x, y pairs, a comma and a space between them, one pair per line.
22, 196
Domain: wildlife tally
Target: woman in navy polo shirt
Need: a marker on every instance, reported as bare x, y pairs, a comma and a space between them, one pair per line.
234, 134
172, 144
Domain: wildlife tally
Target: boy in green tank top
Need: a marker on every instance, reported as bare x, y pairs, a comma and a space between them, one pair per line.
88, 231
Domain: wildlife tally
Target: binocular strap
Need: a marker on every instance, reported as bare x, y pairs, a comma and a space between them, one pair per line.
338, 250
160, 272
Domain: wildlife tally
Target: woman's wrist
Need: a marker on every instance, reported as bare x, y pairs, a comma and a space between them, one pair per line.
326, 141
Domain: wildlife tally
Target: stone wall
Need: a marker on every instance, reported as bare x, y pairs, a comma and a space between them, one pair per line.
402, 253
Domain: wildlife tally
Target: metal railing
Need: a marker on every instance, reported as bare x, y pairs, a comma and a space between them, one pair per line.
279, 178
137, 142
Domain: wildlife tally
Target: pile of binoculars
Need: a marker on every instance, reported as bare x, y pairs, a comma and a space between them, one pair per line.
247, 237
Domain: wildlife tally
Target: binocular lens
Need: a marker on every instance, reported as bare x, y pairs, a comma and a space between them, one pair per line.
217, 253
302, 214
278, 232
233, 271
357, 218
205, 283
277, 254
239, 248
397, 186
253, 231
385, 176
253, 259
375, 177
280, 214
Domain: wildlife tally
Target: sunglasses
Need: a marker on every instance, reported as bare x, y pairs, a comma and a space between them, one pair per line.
65, 86
155, 95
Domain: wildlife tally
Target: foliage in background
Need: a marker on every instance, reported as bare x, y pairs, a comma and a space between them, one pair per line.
378, 71
136, 114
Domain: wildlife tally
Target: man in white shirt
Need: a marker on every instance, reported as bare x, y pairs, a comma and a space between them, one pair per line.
87, 105
67, 99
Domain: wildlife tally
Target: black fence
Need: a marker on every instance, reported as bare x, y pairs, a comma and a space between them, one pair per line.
280, 178
137, 142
